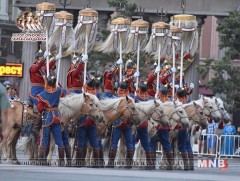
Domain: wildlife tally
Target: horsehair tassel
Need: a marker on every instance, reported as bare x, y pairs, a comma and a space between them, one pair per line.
115, 38
93, 30
154, 42
135, 40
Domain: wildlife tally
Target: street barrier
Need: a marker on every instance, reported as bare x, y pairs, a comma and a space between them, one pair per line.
229, 145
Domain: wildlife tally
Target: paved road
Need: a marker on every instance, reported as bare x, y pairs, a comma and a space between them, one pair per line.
39, 173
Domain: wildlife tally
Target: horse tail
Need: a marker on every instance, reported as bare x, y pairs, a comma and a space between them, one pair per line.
26, 143
106, 144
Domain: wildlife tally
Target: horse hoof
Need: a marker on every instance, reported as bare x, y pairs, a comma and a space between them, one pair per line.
16, 162
177, 168
163, 167
8, 161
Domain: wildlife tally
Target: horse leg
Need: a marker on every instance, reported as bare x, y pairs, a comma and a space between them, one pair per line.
14, 151
34, 143
163, 163
50, 150
88, 155
3, 145
137, 154
30, 151
177, 162
3, 150
11, 145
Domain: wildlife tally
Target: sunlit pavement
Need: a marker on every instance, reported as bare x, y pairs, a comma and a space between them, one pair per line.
37, 173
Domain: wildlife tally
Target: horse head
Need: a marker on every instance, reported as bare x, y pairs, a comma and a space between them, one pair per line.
195, 114
128, 110
210, 109
224, 114
176, 113
159, 115
152, 110
91, 107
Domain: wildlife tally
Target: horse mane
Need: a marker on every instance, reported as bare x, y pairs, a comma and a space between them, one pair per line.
144, 106
94, 98
192, 104
107, 104
200, 103
219, 100
69, 105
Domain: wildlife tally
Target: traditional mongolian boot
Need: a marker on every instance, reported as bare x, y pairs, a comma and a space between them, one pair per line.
68, 156
111, 158
79, 157
42, 156
185, 160
37, 126
129, 159
61, 161
101, 159
191, 161
84, 157
48, 162
170, 160
149, 160
96, 158
154, 159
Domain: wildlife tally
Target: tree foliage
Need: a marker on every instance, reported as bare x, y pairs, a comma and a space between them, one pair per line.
227, 70
129, 7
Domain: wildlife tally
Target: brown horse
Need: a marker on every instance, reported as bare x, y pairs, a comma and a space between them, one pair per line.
19, 115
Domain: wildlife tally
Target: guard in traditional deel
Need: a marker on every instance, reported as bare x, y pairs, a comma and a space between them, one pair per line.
163, 133
101, 127
163, 93
183, 135
75, 75
87, 131
129, 75
37, 75
181, 94
111, 80
187, 89
99, 93
151, 81
122, 127
48, 101
142, 129
165, 73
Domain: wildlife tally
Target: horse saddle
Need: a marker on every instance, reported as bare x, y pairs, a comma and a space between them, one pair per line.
31, 112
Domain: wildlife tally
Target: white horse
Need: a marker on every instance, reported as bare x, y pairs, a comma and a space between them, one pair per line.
211, 109
219, 103
173, 113
197, 112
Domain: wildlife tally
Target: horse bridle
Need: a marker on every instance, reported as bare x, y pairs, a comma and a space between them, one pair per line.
176, 112
196, 113
220, 110
153, 111
123, 116
209, 110
89, 108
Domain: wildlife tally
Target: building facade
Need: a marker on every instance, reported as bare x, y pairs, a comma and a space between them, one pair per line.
9, 51
201, 8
